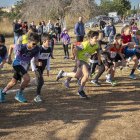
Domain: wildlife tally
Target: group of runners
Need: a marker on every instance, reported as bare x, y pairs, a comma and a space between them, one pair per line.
92, 57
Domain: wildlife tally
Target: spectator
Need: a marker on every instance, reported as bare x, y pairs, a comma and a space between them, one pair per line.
50, 26
18, 30
79, 30
14, 23
102, 24
57, 31
40, 31
32, 25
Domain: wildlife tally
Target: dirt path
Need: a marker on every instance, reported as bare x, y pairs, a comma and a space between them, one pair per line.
111, 113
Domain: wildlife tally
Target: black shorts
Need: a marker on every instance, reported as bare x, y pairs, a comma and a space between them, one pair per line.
19, 71
117, 58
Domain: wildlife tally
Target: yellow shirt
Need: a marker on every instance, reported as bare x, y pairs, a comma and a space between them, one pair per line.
87, 51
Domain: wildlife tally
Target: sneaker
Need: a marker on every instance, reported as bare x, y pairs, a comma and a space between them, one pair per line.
82, 94
60, 75
37, 99
108, 81
2, 96
114, 83
95, 82
67, 84
132, 76
19, 97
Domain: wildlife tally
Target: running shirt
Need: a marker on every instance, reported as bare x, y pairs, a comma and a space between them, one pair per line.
23, 55
126, 38
3, 53
44, 53
43, 58
87, 50
114, 50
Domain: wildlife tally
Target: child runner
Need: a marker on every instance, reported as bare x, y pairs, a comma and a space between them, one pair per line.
43, 61
94, 61
84, 52
129, 49
116, 55
66, 41
24, 53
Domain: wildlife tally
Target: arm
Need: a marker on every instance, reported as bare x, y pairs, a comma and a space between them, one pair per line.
10, 51
33, 64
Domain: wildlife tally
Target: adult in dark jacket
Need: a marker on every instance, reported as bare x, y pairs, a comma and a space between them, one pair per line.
57, 31
79, 30
17, 30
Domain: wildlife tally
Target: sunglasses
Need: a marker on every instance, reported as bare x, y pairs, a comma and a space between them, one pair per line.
34, 44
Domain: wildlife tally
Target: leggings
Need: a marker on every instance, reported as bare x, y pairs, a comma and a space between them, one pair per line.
100, 72
40, 80
66, 50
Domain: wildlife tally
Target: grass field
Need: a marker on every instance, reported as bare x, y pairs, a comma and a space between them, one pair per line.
111, 113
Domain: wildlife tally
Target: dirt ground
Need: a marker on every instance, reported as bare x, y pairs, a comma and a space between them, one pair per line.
111, 113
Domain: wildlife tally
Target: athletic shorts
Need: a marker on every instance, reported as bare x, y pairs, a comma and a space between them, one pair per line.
117, 58
129, 52
19, 71
80, 63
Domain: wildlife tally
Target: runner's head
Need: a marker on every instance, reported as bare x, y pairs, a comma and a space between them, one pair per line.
33, 40
46, 40
127, 30
118, 39
93, 37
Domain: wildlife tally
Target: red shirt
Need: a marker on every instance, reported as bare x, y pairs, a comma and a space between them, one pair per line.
115, 49
126, 38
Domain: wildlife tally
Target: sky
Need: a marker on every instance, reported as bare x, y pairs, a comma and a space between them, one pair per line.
11, 2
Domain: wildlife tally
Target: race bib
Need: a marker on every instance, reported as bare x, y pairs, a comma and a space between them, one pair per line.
44, 56
113, 54
87, 55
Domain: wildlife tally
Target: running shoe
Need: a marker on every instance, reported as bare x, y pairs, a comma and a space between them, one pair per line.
132, 76
38, 99
82, 94
60, 75
114, 83
95, 82
19, 97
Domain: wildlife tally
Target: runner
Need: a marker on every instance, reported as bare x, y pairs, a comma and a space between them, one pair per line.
84, 52
24, 53
43, 61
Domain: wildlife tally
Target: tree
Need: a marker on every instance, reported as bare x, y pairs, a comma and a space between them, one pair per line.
119, 6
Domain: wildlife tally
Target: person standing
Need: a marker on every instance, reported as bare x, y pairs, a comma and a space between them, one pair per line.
79, 30
18, 30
